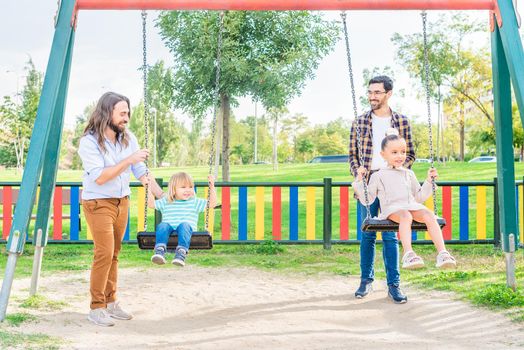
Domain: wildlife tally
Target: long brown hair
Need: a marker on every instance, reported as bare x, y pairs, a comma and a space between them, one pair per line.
102, 116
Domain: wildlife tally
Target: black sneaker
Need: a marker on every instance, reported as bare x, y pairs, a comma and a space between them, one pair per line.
180, 257
158, 258
364, 289
396, 294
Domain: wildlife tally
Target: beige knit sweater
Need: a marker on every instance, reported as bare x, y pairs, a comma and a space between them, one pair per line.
396, 188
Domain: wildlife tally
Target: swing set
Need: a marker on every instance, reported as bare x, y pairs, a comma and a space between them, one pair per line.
42, 158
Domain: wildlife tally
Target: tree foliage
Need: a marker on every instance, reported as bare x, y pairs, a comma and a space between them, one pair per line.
266, 55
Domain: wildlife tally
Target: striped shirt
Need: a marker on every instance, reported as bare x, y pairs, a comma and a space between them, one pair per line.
398, 121
178, 211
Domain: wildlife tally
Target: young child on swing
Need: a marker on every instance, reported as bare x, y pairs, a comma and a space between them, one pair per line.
180, 209
401, 198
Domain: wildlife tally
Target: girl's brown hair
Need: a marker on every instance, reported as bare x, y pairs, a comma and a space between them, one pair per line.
180, 178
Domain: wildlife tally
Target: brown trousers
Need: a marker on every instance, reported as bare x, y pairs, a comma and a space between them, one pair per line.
107, 220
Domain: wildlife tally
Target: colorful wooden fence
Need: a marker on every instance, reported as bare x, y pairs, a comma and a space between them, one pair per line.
283, 212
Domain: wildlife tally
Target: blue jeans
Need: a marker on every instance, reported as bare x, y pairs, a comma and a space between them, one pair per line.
367, 250
164, 230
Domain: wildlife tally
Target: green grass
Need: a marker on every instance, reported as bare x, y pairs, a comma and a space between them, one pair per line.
18, 318
40, 302
452, 171
18, 340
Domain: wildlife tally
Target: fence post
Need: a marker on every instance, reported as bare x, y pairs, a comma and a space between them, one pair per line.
496, 232
327, 212
158, 216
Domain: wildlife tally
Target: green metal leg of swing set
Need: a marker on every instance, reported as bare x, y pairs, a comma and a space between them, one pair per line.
49, 115
49, 171
508, 67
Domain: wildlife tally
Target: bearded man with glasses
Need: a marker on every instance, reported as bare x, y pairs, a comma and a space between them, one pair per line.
373, 126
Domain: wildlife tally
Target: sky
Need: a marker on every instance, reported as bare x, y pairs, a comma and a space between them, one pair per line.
108, 53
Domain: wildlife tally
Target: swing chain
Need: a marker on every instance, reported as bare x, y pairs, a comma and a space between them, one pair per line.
425, 77
146, 108
355, 112
215, 109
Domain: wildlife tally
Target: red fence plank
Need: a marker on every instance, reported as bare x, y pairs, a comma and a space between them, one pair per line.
57, 213
446, 211
344, 213
7, 210
226, 213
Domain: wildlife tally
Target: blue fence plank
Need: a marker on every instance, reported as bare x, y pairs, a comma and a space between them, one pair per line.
74, 213
126, 235
293, 213
242, 213
464, 212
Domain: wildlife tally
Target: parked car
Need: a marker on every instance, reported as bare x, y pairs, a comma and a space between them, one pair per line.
340, 158
484, 159
422, 160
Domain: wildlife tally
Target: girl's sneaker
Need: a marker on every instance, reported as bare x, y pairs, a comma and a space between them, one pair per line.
412, 261
445, 260
158, 258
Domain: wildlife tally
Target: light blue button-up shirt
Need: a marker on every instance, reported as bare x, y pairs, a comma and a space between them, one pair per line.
94, 160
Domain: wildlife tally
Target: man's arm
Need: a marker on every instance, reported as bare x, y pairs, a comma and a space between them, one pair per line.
93, 162
212, 193
410, 156
353, 149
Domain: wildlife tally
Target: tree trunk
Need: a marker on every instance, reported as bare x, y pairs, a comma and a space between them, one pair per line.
275, 154
226, 110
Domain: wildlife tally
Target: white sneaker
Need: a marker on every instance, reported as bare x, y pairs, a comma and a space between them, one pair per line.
114, 310
445, 260
100, 317
411, 261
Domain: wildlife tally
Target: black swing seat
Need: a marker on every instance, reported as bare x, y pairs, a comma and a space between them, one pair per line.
199, 240
373, 225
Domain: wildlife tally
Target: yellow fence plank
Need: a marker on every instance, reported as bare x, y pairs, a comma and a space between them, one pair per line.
310, 213
259, 213
481, 212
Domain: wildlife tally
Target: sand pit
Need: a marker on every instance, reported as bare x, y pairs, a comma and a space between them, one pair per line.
220, 308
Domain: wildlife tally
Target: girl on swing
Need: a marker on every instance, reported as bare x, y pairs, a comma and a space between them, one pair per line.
180, 209
401, 198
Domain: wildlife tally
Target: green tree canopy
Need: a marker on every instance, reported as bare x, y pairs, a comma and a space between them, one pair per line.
266, 55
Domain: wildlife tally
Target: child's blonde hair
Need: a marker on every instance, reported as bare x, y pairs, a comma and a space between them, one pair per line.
180, 178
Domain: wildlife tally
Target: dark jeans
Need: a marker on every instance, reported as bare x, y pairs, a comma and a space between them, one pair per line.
389, 250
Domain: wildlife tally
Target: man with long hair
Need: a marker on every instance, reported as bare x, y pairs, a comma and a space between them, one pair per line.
109, 153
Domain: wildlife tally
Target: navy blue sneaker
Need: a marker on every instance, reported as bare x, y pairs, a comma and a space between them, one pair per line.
364, 289
158, 257
396, 294
180, 257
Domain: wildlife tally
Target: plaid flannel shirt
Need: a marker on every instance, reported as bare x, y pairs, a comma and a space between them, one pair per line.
398, 121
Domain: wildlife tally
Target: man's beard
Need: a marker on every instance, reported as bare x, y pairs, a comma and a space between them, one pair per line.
375, 105
116, 129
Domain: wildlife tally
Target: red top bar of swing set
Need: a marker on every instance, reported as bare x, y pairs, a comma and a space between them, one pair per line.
282, 5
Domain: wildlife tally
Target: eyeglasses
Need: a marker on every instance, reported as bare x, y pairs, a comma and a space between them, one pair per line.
376, 93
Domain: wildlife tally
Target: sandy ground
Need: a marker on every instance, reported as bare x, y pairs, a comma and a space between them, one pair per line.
217, 308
